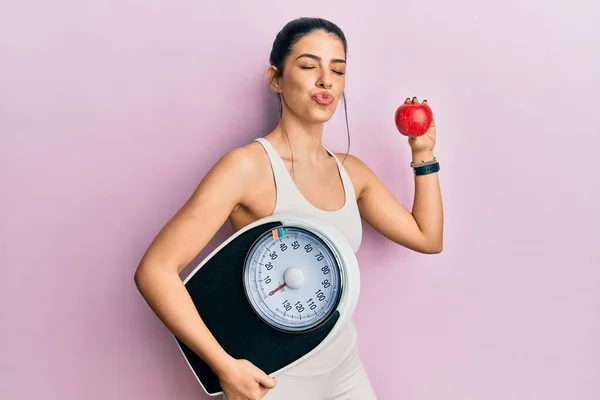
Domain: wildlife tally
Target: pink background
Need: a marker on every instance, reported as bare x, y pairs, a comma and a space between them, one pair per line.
111, 112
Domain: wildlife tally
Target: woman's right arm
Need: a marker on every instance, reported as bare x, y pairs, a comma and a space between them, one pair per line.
179, 241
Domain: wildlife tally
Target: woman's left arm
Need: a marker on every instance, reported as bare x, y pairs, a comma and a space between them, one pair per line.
420, 230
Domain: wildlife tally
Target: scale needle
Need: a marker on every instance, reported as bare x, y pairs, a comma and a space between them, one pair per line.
271, 293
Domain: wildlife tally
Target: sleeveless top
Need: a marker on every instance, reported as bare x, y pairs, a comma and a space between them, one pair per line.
347, 219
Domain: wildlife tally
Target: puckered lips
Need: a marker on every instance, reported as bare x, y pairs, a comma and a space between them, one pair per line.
323, 98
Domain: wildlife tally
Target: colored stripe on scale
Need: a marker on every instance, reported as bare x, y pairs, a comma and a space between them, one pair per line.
278, 233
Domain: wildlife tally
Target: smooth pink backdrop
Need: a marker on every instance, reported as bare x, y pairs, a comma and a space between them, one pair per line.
111, 113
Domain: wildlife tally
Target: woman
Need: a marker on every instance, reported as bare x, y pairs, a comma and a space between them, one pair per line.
290, 170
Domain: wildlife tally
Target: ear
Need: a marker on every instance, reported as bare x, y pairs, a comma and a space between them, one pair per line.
274, 82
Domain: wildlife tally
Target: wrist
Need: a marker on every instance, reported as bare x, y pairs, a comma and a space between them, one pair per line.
422, 155
424, 163
220, 363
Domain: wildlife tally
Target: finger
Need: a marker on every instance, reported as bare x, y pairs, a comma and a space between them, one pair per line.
263, 392
266, 381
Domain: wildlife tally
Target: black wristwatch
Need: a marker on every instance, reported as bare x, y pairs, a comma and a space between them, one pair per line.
427, 169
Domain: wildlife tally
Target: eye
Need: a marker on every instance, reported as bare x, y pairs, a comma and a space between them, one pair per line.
338, 72
307, 67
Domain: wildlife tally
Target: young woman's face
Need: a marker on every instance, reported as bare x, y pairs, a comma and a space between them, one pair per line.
313, 77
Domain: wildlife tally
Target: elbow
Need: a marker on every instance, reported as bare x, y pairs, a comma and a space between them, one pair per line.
438, 246
433, 247
149, 273
139, 277
435, 250
142, 276
431, 250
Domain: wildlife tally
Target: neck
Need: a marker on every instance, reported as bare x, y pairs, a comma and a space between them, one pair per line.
304, 139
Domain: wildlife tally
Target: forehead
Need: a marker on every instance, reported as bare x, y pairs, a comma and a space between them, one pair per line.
321, 44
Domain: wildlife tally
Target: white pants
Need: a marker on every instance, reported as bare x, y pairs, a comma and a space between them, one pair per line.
349, 381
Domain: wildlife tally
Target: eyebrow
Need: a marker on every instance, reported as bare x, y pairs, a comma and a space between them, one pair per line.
317, 58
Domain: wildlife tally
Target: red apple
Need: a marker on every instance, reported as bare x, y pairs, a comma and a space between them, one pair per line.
412, 118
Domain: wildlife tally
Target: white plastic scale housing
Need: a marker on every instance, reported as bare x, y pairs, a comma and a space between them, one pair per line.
346, 260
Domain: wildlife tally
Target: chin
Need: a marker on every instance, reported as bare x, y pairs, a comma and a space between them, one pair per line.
320, 119
320, 115
314, 114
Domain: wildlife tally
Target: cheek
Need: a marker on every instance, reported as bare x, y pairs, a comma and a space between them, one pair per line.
339, 83
296, 84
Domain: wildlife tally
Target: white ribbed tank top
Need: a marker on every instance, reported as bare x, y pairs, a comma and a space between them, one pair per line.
346, 219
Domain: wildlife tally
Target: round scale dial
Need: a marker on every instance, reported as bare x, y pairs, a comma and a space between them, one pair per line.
292, 279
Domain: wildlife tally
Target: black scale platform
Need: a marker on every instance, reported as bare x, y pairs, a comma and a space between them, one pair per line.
218, 294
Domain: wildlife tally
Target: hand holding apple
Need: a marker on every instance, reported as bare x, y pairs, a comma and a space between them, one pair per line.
415, 120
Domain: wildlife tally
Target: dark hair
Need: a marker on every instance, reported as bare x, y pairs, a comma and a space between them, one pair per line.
290, 34
295, 30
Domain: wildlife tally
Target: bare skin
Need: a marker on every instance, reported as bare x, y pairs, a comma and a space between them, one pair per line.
240, 189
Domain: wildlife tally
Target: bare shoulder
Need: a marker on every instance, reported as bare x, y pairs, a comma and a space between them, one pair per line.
352, 162
244, 163
241, 171
230, 178
359, 172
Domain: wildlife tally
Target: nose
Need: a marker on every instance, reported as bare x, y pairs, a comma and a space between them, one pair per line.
324, 81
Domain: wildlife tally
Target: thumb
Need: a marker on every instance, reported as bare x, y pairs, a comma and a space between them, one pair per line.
266, 381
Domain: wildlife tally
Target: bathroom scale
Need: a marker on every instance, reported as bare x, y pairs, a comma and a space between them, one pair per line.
275, 293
